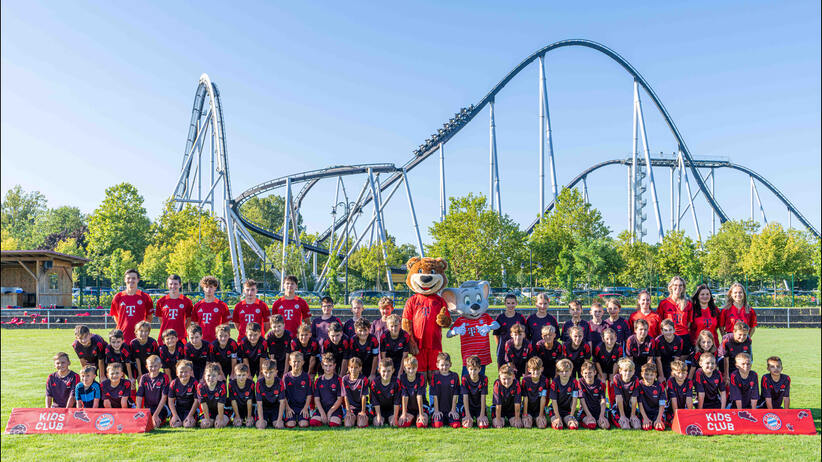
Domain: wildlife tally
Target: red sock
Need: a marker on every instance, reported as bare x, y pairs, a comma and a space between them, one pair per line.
422, 425
437, 424
455, 425
315, 423
482, 426
333, 424
591, 426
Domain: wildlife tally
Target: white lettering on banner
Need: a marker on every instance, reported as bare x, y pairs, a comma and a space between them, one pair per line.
717, 426
206, 318
52, 416
49, 426
718, 417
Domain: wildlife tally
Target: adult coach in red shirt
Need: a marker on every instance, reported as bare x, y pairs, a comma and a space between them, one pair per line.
293, 309
678, 309
736, 309
174, 309
250, 309
131, 306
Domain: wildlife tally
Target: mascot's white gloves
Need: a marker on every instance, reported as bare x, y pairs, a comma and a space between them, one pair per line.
459, 330
483, 329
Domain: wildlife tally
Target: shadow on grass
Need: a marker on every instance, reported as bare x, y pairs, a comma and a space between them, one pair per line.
817, 418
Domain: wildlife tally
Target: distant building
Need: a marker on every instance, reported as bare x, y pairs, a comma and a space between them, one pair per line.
37, 277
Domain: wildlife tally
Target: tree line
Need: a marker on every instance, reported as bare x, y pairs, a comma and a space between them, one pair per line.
570, 248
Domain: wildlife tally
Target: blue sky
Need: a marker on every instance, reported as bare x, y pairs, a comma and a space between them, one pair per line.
95, 93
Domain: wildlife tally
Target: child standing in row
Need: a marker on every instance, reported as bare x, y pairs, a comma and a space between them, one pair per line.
278, 340
541, 318
575, 310
171, 352
380, 326
142, 347
506, 320
518, 350
60, 385
349, 328
549, 350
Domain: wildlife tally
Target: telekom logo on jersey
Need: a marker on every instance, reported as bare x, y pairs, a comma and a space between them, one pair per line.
249, 318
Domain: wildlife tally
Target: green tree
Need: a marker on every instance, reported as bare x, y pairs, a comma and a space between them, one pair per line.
637, 261
118, 262
477, 242
8, 241
120, 222
59, 224
191, 260
153, 268
565, 270
368, 260
20, 211
677, 256
725, 250
816, 262
596, 261
71, 247
572, 220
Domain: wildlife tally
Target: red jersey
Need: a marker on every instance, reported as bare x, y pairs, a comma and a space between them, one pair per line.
682, 319
652, 318
422, 311
472, 342
730, 315
173, 313
209, 315
245, 313
294, 312
705, 322
128, 310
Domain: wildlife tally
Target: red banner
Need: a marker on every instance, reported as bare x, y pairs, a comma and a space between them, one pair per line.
699, 422
61, 420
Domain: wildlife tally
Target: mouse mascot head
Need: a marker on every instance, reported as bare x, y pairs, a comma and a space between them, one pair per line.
426, 313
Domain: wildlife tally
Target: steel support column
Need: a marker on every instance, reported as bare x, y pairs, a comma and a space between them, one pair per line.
442, 181
420, 248
286, 214
660, 231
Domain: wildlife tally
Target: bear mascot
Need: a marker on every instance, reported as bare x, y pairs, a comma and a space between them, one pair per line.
426, 313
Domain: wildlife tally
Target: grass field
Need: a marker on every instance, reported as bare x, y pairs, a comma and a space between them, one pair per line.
26, 362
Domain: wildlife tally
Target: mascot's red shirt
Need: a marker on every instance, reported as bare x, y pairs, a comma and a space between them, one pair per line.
422, 311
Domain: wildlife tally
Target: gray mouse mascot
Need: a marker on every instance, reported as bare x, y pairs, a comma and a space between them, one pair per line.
468, 305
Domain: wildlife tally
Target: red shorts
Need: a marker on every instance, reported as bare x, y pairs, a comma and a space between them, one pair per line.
427, 360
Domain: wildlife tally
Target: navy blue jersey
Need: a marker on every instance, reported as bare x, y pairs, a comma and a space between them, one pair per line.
169, 358
592, 395
212, 397
475, 392
393, 348
667, 352
577, 355
563, 395
411, 389
241, 394
183, 393
518, 357
729, 348
534, 325
298, 390
620, 326
566, 328
534, 391
678, 393
607, 359
445, 388
640, 352
328, 390
278, 348
504, 329
712, 386
626, 390
385, 396
365, 351
309, 350
93, 352
61, 388
152, 390
319, 327
340, 350
123, 356
743, 389
271, 395
775, 390
549, 356
506, 397
652, 398
224, 354
348, 329
199, 357
115, 393
354, 390
141, 351
253, 353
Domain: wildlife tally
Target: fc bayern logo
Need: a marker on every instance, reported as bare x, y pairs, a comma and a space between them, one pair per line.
771, 421
181, 305
104, 422
216, 310
139, 302
257, 310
